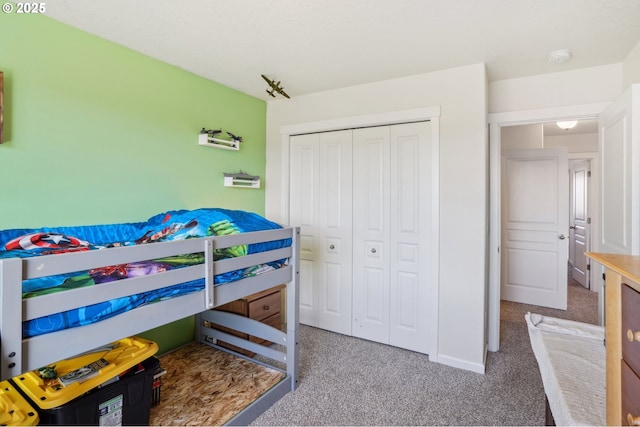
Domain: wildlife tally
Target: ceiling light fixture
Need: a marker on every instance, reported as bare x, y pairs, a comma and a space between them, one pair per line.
566, 125
559, 56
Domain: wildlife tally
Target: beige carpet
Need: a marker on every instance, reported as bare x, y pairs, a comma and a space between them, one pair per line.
348, 381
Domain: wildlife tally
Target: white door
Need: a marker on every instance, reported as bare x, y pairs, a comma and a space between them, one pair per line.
320, 203
334, 245
535, 216
410, 235
371, 251
619, 150
302, 213
392, 229
580, 221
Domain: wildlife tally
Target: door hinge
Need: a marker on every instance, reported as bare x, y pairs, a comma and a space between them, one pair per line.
588, 220
588, 174
588, 267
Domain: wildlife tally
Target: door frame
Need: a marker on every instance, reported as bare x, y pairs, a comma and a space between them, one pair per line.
496, 121
431, 114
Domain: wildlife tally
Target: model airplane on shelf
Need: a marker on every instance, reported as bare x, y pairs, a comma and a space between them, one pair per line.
234, 137
211, 132
275, 87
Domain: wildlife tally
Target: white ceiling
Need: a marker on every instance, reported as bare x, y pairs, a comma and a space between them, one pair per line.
317, 45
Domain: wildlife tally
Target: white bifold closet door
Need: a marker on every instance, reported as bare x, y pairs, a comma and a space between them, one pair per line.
391, 234
362, 199
320, 203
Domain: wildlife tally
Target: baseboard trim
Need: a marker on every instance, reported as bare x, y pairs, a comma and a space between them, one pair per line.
462, 364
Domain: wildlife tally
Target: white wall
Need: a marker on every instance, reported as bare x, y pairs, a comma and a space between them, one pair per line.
578, 87
523, 137
578, 143
631, 67
531, 137
461, 95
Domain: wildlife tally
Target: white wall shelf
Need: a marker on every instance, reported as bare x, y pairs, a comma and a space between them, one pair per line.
241, 180
208, 141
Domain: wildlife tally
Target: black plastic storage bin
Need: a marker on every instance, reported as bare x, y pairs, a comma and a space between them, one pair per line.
123, 402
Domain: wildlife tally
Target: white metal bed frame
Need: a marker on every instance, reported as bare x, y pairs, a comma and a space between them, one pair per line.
20, 355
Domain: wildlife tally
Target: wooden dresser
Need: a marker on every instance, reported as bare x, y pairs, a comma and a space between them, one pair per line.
264, 306
622, 334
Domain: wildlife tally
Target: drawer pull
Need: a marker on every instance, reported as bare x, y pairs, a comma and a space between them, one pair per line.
633, 421
265, 307
633, 336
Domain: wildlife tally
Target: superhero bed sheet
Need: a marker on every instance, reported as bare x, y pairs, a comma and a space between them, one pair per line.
164, 227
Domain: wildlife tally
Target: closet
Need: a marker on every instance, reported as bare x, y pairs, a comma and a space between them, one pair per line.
362, 198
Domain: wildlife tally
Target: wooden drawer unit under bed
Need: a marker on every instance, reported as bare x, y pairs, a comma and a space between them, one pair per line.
265, 306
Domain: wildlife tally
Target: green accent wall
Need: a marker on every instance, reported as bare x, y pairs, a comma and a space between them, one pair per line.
97, 133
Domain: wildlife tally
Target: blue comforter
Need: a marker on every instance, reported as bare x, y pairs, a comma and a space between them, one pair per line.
168, 226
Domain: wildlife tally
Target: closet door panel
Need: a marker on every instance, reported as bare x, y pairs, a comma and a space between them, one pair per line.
406, 183
334, 218
336, 183
332, 292
406, 296
371, 234
410, 219
308, 313
372, 182
302, 213
372, 311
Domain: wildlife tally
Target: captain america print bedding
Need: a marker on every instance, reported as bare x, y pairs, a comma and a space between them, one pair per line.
168, 226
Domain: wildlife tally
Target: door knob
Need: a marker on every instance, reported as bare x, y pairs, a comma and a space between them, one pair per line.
572, 227
562, 237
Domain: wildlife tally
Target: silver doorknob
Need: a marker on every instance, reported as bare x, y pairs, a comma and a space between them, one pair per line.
572, 227
561, 237
373, 251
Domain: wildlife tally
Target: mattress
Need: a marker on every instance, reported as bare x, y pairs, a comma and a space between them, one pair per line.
571, 357
164, 227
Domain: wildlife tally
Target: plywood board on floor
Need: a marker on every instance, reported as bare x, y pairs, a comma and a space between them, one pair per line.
204, 386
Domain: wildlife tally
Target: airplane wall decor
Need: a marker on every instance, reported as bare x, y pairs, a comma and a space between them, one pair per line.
235, 138
209, 138
275, 87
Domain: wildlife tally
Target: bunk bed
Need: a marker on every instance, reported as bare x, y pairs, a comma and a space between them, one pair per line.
268, 251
